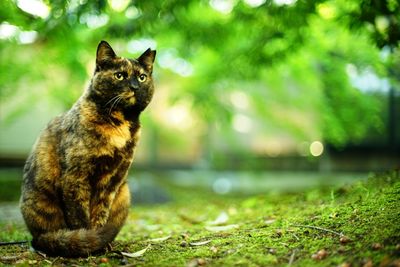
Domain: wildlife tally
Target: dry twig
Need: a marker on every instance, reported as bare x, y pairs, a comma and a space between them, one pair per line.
14, 243
291, 260
317, 228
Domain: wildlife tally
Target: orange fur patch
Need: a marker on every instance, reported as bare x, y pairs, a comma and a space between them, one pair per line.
116, 135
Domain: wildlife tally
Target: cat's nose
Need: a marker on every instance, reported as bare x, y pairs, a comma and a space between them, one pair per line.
134, 84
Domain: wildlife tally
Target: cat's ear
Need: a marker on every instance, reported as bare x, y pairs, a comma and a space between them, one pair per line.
147, 59
104, 54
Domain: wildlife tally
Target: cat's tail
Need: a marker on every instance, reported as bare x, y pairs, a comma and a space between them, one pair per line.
75, 243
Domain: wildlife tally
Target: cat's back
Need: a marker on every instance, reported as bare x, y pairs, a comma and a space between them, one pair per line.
43, 162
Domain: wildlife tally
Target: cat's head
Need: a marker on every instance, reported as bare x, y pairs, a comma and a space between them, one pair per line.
122, 83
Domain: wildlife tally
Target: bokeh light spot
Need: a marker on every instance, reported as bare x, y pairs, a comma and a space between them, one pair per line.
316, 148
222, 186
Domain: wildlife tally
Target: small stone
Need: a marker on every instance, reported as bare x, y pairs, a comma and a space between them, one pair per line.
342, 249
320, 255
345, 264
272, 251
214, 249
184, 244
124, 261
344, 240
367, 263
192, 263
377, 246
185, 236
333, 215
201, 262
103, 260
230, 251
196, 262
278, 232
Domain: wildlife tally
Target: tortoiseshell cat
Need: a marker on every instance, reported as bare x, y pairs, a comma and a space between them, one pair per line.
75, 196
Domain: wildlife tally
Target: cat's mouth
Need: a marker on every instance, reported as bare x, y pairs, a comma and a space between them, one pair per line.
132, 100
130, 97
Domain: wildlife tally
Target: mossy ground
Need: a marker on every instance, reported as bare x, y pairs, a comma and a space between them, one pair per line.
352, 225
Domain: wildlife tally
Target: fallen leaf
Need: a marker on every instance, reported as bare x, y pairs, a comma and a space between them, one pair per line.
230, 251
222, 228
201, 243
190, 219
222, 218
147, 226
160, 239
152, 227
137, 253
41, 254
10, 259
269, 221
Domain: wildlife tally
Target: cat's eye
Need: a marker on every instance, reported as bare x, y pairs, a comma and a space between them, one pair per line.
142, 78
119, 76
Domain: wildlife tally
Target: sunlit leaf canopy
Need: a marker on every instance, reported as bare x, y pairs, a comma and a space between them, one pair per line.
245, 71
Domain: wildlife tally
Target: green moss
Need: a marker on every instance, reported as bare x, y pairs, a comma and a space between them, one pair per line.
353, 224
10, 184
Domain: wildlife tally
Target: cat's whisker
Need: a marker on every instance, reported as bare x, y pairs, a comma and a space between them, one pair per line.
112, 105
119, 100
112, 99
115, 103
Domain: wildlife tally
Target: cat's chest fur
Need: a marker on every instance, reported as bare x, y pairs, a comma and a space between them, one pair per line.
116, 136
107, 137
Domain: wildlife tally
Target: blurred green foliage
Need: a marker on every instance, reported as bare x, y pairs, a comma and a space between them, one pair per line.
295, 63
